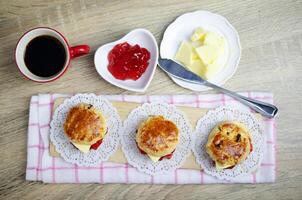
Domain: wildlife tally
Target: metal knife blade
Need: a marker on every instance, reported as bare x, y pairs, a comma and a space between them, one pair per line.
178, 71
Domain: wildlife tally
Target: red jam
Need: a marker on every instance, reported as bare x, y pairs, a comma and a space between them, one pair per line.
251, 145
127, 61
96, 145
168, 156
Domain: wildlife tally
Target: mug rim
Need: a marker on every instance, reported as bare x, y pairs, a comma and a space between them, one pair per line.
62, 71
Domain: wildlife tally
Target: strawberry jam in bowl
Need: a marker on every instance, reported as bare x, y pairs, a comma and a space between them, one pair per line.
127, 61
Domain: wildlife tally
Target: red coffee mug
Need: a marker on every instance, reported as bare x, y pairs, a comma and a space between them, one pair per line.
71, 52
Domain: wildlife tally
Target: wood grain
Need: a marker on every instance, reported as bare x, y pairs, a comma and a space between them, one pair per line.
271, 37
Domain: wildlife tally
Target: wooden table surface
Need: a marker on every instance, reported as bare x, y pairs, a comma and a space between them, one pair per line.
271, 38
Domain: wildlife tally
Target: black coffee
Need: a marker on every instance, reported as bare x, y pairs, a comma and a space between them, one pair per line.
45, 56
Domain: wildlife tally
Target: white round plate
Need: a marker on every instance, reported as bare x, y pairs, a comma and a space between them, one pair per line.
183, 27
143, 38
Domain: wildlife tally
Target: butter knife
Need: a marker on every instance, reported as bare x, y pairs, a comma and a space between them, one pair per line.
178, 71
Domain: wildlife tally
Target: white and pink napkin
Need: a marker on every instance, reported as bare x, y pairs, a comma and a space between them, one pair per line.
42, 167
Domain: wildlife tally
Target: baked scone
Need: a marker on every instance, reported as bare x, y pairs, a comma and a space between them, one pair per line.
229, 143
157, 137
85, 126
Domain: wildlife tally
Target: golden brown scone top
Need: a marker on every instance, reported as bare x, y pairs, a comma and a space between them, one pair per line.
157, 136
85, 124
228, 144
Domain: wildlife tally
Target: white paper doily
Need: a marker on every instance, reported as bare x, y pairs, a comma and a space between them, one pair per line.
142, 162
110, 141
205, 126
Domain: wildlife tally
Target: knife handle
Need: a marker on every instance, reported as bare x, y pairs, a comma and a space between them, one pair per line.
266, 109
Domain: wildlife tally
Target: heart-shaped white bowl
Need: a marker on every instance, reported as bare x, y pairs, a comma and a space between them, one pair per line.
143, 38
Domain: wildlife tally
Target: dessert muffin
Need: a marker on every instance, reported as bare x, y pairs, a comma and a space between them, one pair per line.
85, 126
157, 137
229, 143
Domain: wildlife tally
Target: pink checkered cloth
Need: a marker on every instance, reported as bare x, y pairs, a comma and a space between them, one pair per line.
42, 167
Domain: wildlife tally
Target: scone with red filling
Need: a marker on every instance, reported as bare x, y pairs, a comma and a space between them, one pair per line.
85, 127
157, 137
229, 144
